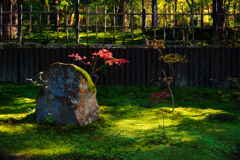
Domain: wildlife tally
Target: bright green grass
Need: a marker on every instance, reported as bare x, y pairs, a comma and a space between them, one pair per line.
129, 126
92, 37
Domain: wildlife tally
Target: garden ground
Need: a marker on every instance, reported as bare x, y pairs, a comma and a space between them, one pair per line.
129, 126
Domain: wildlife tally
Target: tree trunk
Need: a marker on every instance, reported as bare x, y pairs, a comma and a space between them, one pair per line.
220, 21
154, 10
120, 20
7, 31
53, 17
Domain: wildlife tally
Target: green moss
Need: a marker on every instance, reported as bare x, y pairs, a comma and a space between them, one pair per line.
90, 84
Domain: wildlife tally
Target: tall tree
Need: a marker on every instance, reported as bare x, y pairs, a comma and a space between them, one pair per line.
220, 20
154, 10
8, 31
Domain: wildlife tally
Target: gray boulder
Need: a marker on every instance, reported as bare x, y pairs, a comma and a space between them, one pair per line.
68, 96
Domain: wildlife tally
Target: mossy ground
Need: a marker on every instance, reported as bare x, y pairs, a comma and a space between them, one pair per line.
129, 126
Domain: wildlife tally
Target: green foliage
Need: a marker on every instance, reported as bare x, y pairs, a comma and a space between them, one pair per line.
104, 69
48, 120
2, 89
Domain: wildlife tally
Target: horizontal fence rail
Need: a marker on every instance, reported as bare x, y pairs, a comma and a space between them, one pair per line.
225, 29
206, 67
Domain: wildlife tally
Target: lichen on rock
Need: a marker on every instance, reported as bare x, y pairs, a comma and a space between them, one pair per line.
68, 94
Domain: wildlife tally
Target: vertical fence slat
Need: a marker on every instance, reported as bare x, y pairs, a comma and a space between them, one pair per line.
10, 65
21, 65
229, 62
143, 56
27, 65
84, 53
123, 67
165, 67
79, 62
133, 64
196, 68
180, 66
234, 65
169, 70
176, 66
69, 52
202, 67
223, 68
186, 69
138, 69
37, 64
217, 66
106, 76
149, 74
208, 62
116, 67
66, 57
1, 64
191, 77
96, 66
15, 66
88, 55
48, 57
53, 55
111, 69
73, 51
128, 67
43, 60
101, 74
238, 66
154, 67
62, 55
32, 64
212, 77
159, 70
58, 55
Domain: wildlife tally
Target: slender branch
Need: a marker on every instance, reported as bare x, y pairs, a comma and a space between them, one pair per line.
169, 89
97, 70
189, 4
166, 62
96, 79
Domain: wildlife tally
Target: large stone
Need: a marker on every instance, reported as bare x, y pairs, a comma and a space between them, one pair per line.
31, 45
55, 46
76, 46
68, 94
10, 45
95, 45
111, 46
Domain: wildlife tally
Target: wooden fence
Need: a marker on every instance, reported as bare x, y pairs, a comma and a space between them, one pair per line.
206, 67
217, 27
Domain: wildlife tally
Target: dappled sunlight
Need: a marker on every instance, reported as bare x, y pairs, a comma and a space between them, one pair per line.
14, 115
128, 126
